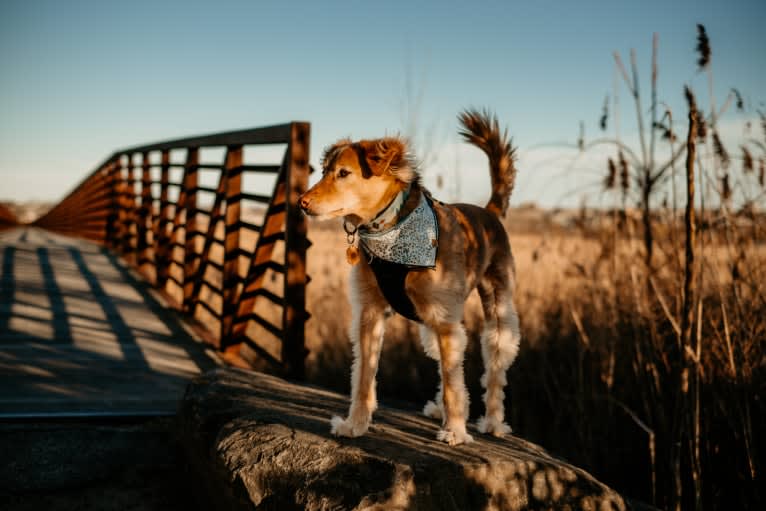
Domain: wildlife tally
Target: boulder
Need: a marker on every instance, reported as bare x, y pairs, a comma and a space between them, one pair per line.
258, 442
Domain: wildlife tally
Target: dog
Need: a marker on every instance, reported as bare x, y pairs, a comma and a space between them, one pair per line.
422, 258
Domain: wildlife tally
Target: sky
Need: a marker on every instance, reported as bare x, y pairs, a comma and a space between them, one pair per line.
80, 79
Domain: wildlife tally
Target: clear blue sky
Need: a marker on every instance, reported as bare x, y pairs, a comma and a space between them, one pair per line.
79, 79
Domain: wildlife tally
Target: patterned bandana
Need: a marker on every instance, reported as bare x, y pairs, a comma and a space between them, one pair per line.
387, 217
411, 242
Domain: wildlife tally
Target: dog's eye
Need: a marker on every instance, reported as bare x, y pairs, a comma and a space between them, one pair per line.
343, 173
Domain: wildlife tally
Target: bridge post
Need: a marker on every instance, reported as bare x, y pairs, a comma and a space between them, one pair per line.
294, 313
191, 181
145, 214
130, 213
121, 231
112, 220
231, 278
161, 237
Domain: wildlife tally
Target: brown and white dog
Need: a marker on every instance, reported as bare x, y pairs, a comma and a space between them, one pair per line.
374, 184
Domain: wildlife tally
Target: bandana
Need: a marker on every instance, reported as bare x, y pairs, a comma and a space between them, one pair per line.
387, 218
412, 242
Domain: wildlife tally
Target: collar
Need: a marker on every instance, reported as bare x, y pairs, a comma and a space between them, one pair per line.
388, 217
413, 241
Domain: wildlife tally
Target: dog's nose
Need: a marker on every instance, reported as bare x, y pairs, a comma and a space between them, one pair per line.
304, 203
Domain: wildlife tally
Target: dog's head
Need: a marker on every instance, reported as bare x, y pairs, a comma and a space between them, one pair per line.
359, 178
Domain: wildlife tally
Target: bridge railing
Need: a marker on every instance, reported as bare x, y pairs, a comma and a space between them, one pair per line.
191, 215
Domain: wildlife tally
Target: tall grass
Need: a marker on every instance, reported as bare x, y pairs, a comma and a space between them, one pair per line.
597, 379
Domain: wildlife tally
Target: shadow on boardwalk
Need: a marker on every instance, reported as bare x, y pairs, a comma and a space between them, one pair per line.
80, 335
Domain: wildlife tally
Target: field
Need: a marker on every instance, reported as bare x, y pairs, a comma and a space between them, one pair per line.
599, 379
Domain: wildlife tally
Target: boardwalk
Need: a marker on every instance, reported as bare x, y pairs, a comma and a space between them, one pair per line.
80, 335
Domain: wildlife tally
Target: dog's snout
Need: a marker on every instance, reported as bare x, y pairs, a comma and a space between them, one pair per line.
303, 202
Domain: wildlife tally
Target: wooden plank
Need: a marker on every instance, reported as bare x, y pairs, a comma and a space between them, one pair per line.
112, 227
191, 180
278, 134
122, 215
293, 312
247, 225
255, 197
161, 237
263, 169
129, 205
231, 278
145, 215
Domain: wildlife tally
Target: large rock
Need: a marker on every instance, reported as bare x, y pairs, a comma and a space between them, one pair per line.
259, 442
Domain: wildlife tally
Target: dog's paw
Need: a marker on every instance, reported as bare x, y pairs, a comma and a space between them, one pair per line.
493, 426
432, 410
347, 427
453, 437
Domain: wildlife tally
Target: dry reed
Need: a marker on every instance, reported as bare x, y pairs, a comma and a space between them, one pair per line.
703, 47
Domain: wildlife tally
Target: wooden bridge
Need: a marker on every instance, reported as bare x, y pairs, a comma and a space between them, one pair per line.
167, 259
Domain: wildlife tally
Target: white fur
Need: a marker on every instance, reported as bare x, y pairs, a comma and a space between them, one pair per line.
452, 343
499, 348
366, 354
430, 342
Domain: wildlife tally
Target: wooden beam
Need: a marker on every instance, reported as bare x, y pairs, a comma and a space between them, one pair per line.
294, 310
161, 236
130, 210
278, 134
231, 278
145, 214
191, 180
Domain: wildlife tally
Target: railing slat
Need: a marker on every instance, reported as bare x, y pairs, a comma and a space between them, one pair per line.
231, 279
145, 213
162, 251
293, 345
191, 177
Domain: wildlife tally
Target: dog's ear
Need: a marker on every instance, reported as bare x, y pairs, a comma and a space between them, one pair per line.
332, 151
384, 155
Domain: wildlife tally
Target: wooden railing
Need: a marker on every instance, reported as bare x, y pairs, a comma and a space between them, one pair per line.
183, 214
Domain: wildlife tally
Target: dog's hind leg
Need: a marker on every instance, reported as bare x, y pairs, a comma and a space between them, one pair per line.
499, 347
452, 343
430, 342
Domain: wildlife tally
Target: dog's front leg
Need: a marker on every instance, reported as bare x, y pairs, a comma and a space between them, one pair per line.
366, 341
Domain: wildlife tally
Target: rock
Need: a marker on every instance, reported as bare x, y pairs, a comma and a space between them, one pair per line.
259, 442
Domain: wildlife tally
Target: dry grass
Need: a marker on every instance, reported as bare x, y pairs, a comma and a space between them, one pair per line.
594, 381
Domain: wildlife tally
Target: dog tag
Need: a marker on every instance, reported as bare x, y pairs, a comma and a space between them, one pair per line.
352, 255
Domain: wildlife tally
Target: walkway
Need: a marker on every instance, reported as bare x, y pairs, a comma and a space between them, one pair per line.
81, 336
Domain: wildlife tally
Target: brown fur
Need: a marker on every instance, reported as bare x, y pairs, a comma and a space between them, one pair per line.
359, 180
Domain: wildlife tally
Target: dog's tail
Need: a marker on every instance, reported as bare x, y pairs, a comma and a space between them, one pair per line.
482, 130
